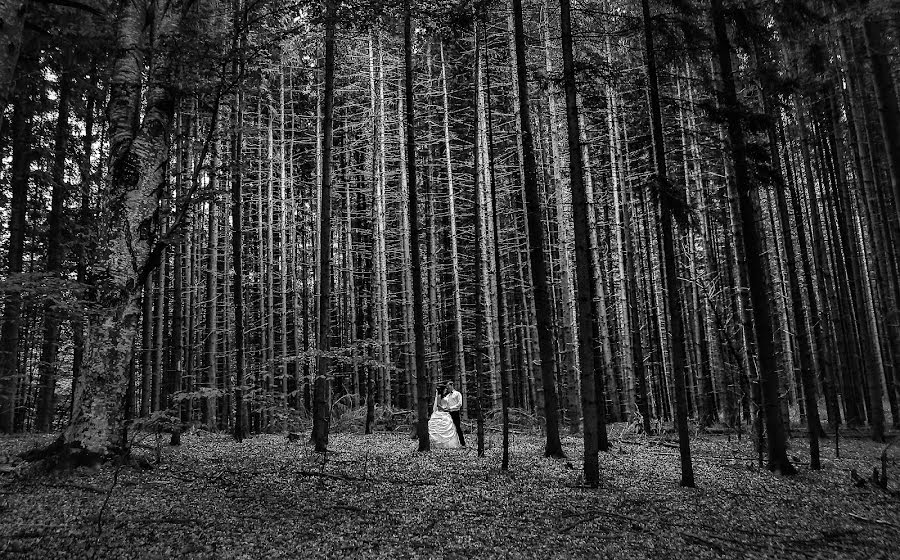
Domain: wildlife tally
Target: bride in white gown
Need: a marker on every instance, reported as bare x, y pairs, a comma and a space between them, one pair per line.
441, 430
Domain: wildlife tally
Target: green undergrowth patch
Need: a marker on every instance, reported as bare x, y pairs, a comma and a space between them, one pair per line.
377, 497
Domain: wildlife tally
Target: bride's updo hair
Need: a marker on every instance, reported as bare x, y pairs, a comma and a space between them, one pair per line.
441, 388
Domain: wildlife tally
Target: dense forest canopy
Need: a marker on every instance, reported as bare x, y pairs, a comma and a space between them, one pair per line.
264, 215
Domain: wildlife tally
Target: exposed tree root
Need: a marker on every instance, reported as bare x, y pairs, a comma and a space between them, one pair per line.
63, 456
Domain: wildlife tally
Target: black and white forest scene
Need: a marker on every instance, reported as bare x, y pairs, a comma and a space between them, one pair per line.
454, 279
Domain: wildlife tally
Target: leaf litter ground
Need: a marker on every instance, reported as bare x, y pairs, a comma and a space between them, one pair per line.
377, 497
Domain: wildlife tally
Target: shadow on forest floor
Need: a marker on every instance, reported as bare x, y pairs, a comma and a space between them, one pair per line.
376, 497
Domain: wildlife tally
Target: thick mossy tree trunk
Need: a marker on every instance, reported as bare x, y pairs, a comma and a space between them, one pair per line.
136, 172
749, 212
536, 242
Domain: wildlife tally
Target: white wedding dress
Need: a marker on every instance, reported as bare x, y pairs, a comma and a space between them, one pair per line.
441, 429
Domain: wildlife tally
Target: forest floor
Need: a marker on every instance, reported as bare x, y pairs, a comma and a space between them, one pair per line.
377, 497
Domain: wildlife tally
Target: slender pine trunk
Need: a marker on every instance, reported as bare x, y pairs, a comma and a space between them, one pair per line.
536, 241
583, 272
46, 398
415, 254
459, 346
804, 342
237, 242
503, 370
322, 391
479, 266
212, 331
22, 155
84, 219
886, 96
669, 200
749, 206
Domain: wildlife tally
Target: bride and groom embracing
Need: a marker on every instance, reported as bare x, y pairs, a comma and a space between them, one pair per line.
443, 427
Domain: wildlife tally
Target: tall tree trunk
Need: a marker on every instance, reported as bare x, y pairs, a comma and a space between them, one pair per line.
566, 339
295, 267
503, 370
175, 368
486, 250
868, 348
536, 242
536, 390
267, 270
237, 257
46, 399
738, 301
322, 395
603, 357
710, 304
584, 308
237, 242
433, 346
9, 330
415, 256
459, 346
379, 309
84, 219
479, 268
668, 202
888, 111
813, 273
212, 332
379, 290
409, 337
605, 384
753, 251
284, 250
706, 402
256, 405
872, 196
225, 412
630, 258
385, 368
889, 118
617, 207
804, 342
